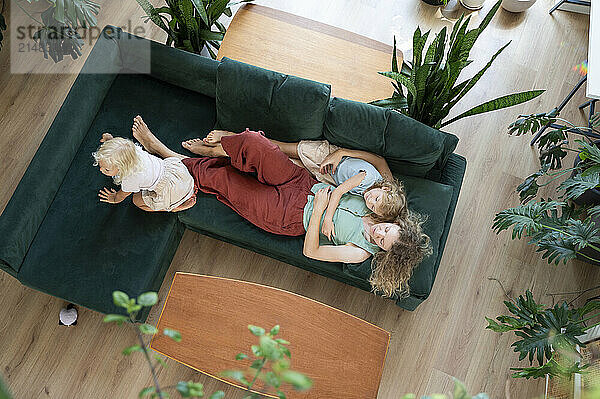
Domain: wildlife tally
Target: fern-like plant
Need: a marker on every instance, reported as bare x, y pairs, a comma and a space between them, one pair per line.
58, 35
545, 332
189, 23
426, 89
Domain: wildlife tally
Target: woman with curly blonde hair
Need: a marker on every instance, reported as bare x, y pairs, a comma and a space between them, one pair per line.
393, 268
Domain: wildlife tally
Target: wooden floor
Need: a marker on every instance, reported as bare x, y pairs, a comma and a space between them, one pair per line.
445, 337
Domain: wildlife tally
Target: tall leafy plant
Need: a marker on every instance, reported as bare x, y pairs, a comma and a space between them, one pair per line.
57, 36
426, 89
548, 335
189, 23
559, 229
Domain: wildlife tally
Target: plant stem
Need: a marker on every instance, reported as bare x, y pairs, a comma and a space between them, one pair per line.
593, 325
27, 12
557, 176
264, 360
152, 370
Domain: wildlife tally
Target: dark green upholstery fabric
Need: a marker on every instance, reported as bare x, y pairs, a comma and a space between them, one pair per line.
28, 205
410, 147
212, 218
431, 200
85, 249
285, 107
59, 239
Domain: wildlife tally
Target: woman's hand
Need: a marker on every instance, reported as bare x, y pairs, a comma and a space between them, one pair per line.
331, 162
109, 196
328, 229
321, 200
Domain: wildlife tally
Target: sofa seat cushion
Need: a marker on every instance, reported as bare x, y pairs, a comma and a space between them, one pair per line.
410, 147
431, 200
285, 107
85, 249
217, 220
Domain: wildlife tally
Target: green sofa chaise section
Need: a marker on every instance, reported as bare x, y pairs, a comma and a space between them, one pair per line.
59, 239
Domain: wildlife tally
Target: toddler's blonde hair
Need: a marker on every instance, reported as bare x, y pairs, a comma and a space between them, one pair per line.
393, 203
119, 153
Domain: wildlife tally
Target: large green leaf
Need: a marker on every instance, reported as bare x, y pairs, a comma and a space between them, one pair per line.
403, 80
216, 9
526, 218
76, 12
488, 17
575, 186
391, 103
498, 103
154, 16
209, 35
475, 79
199, 6
394, 58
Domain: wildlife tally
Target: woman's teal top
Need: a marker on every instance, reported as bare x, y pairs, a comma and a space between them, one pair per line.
347, 220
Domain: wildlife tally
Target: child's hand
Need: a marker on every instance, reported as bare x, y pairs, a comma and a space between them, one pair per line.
106, 137
321, 201
331, 162
328, 229
107, 195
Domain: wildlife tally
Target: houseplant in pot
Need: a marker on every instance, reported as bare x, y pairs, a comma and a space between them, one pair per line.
436, 2
561, 229
426, 88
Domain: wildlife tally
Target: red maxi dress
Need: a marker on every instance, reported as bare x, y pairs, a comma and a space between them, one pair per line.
258, 181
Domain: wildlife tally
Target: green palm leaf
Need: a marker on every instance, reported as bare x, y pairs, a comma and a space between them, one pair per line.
498, 103
577, 185
525, 219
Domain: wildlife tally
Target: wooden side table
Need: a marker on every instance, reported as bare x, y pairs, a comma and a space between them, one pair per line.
342, 354
298, 46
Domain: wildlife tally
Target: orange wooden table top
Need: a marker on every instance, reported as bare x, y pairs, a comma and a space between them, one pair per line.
294, 45
342, 354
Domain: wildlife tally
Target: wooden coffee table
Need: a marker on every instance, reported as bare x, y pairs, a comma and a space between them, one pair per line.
342, 354
298, 46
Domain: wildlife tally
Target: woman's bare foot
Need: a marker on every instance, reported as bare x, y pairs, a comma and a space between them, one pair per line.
106, 137
149, 141
197, 146
214, 137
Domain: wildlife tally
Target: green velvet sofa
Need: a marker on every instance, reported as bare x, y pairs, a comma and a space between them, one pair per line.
57, 238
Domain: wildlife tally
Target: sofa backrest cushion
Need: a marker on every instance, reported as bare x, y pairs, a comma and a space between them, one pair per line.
432, 201
410, 147
285, 107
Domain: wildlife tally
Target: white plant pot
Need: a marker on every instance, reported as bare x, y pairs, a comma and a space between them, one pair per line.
517, 5
472, 4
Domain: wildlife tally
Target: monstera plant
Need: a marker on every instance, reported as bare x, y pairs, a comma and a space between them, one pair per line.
426, 89
548, 335
189, 23
58, 35
561, 229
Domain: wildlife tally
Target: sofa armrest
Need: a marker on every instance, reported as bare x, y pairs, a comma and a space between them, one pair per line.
451, 175
35, 192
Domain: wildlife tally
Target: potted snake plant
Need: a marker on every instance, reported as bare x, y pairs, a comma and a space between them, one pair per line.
426, 88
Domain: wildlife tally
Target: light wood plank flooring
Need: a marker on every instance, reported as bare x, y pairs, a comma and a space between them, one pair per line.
445, 337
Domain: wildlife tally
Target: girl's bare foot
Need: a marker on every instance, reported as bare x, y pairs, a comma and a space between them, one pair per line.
149, 141
197, 146
214, 137
106, 137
